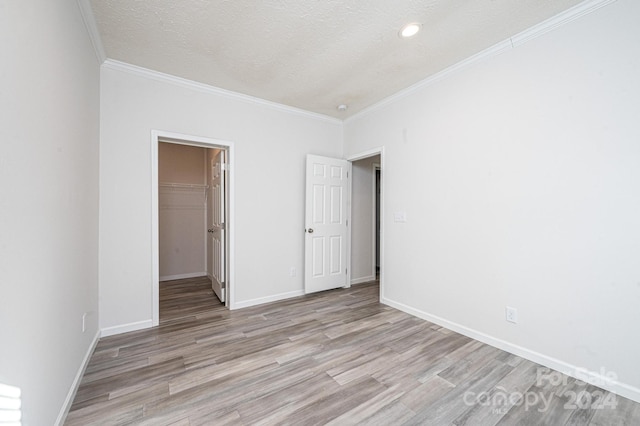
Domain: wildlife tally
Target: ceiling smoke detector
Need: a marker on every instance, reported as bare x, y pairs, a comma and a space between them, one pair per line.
409, 30
342, 107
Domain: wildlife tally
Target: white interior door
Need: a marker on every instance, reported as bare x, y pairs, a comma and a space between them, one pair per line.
328, 200
217, 224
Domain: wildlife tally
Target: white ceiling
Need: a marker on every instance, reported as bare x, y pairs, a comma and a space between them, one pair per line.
310, 54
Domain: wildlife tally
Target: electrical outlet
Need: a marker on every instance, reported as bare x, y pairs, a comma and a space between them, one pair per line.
84, 322
511, 314
292, 271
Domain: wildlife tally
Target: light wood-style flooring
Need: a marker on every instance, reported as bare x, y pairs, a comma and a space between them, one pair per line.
337, 357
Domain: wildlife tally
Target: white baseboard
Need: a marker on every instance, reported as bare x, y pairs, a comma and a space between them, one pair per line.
119, 329
363, 280
267, 299
596, 378
76, 381
183, 276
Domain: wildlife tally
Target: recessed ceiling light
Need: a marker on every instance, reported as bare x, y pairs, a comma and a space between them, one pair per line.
410, 30
342, 107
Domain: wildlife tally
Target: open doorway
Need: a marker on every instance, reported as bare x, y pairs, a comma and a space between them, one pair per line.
183, 204
366, 218
183, 191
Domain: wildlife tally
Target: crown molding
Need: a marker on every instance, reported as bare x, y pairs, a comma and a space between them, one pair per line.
576, 12
92, 28
205, 88
569, 15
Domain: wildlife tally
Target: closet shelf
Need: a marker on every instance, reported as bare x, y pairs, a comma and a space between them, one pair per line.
182, 185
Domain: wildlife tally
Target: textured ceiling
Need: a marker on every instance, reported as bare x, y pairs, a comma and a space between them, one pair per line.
310, 54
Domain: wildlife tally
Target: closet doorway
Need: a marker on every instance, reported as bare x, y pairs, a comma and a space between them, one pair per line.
192, 231
183, 192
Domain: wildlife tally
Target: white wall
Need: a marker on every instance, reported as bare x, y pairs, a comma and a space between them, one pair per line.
49, 121
181, 215
362, 220
270, 148
520, 176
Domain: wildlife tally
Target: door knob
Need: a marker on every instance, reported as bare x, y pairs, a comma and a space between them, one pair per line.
210, 230
310, 230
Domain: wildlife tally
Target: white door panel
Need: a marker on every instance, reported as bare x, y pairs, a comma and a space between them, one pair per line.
326, 226
217, 220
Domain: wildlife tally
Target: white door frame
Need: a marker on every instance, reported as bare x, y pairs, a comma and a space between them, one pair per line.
359, 156
374, 239
158, 136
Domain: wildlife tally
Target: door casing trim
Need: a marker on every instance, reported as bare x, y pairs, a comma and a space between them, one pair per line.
359, 156
158, 136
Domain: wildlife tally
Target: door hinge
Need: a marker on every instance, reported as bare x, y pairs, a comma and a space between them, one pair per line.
224, 166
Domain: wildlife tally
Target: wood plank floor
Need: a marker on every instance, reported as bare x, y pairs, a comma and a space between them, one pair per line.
337, 357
